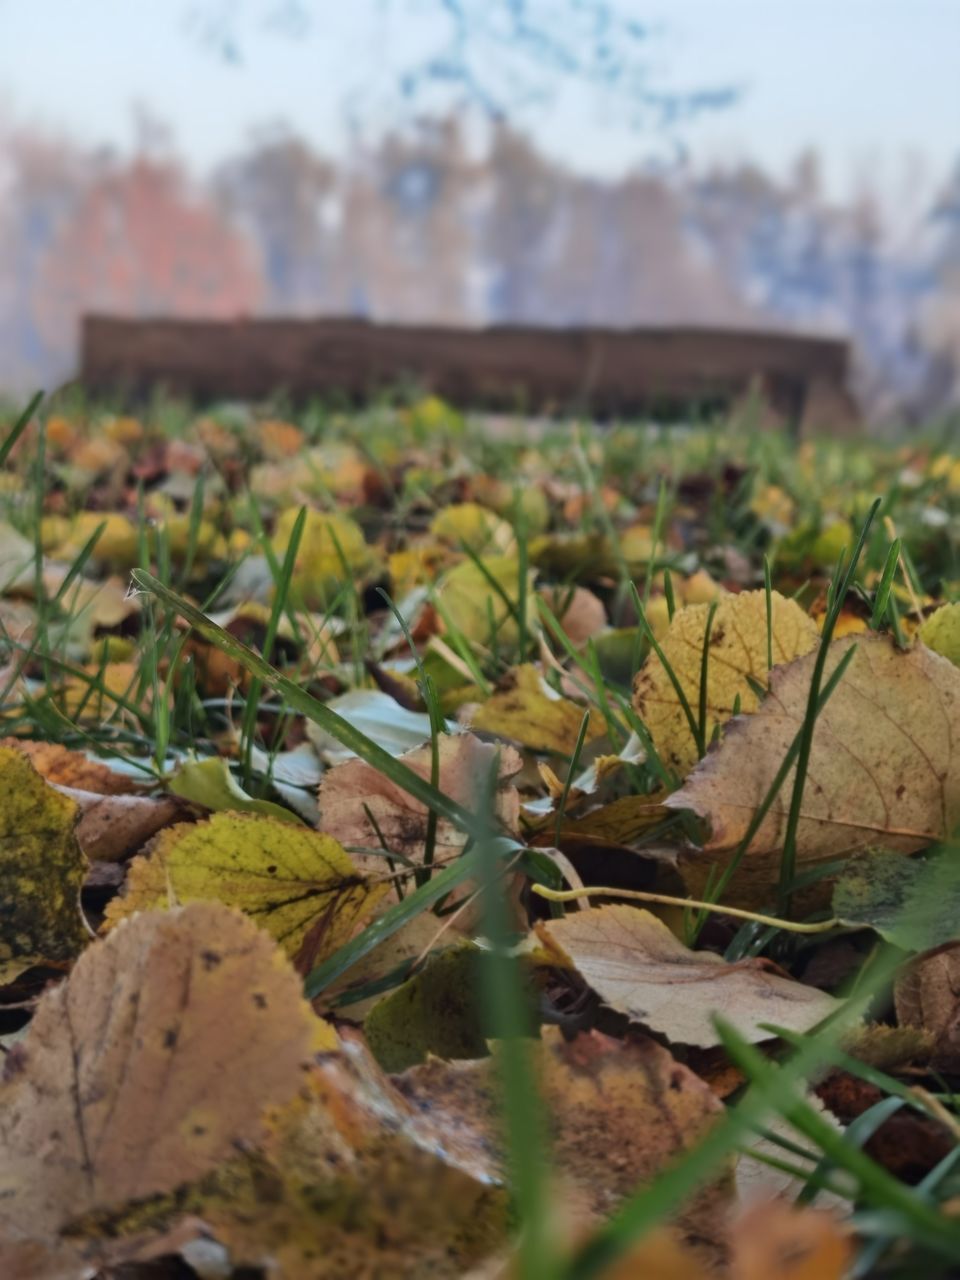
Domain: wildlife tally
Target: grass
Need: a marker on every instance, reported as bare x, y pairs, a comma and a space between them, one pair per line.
142, 689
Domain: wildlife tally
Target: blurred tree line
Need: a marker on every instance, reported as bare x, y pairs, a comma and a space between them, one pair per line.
424, 225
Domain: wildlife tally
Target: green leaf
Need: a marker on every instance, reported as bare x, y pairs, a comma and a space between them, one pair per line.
211, 784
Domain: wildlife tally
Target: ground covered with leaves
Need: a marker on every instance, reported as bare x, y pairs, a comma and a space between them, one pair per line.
434, 847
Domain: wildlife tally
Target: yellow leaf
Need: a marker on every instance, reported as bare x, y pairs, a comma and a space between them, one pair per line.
884, 767
638, 967
118, 546
150, 1065
477, 609
941, 632
299, 885
737, 656
469, 524
525, 710
332, 551
41, 870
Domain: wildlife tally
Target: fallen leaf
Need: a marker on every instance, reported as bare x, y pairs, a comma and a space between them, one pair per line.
941, 632
737, 658
912, 902
377, 715
580, 613
437, 1011
352, 1180
910, 1143
621, 1112
111, 827
297, 884
147, 1067
776, 1241
413, 941
927, 996
361, 807
638, 967
41, 870
527, 711
68, 768
332, 552
468, 524
884, 766
481, 611
210, 784
621, 822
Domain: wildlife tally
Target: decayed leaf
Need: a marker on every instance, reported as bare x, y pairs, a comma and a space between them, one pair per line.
776, 1241
353, 1181
621, 1111
928, 997
297, 884
147, 1067
527, 711
884, 767
353, 793
638, 967
912, 902
67, 768
737, 657
41, 870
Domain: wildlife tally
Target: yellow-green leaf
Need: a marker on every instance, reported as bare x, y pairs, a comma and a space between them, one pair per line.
297, 884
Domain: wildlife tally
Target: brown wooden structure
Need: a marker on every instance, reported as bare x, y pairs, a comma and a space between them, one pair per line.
534, 370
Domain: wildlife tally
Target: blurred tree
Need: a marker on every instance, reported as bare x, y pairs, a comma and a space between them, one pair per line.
501, 57
140, 243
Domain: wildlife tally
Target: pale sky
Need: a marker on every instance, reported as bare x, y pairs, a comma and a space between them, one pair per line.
871, 83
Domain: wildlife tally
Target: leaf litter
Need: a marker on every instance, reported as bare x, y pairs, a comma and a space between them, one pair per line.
594, 694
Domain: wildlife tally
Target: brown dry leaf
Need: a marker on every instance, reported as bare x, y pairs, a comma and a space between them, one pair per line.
638, 967
41, 870
776, 1241
111, 827
297, 884
147, 1067
738, 655
580, 613
351, 790
928, 997
68, 768
527, 711
884, 768
621, 1111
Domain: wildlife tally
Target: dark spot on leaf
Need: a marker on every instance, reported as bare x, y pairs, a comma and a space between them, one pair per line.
901, 790
170, 1038
259, 999
210, 959
199, 1130
272, 869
